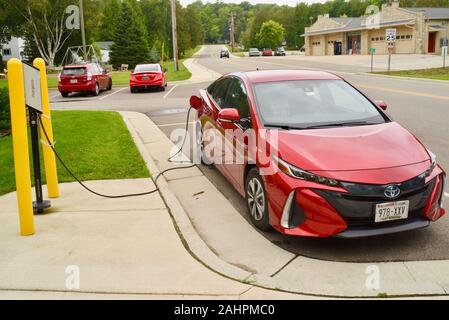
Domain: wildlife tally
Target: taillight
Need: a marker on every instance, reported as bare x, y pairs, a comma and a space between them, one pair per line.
89, 76
59, 77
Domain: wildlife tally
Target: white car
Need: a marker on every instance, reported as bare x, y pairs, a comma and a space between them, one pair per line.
254, 52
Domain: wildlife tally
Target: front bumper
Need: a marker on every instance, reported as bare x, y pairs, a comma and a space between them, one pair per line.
314, 211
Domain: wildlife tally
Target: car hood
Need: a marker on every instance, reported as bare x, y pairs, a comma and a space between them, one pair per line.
351, 148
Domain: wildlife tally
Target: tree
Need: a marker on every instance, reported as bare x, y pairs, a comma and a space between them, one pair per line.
108, 20
44, 21
271, 34
154, 55
130, 37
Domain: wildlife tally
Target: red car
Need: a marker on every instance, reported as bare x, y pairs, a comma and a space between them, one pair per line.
325, 159
146, 76
267, 52
89, 78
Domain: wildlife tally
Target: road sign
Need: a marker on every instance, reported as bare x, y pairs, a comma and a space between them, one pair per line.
372, 50
390, 45
390, 35
32, 82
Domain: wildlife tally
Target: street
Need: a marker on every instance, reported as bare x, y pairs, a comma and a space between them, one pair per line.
420, 106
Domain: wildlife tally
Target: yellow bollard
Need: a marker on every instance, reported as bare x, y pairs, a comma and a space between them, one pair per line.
20, 146
51, 173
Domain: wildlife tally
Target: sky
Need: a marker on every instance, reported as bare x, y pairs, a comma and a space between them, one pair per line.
279, 2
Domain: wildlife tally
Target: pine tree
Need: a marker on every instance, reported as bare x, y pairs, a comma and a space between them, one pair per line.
130, 38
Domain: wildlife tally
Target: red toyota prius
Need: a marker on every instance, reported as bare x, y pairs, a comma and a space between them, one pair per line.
322, 159
147, 76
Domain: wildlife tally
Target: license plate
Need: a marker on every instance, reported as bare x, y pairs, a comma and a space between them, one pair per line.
73, 80
392, 211
145, 78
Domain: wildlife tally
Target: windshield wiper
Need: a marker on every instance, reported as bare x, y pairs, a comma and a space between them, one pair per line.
282, 126
341, 124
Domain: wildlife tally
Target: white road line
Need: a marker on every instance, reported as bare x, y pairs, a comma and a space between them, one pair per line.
56, 95
168, 93
174, 124
111, 94
446, 194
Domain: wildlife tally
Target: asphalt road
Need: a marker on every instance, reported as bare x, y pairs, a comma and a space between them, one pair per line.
420, 106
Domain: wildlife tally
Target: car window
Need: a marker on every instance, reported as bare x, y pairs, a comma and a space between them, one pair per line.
313, 102
218, 91
74, 71
94, 69
147, 68
237, 98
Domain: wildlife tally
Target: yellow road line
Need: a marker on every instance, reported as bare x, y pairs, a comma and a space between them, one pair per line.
412, 93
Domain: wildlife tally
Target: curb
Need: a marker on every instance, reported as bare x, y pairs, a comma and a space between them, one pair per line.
412, 277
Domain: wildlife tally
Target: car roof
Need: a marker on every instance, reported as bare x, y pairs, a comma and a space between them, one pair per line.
285, 75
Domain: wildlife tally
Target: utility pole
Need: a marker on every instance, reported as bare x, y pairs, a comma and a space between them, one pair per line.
232, 32
175, 35
83, 32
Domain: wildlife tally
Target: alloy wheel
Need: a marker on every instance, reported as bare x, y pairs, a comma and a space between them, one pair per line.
256, 199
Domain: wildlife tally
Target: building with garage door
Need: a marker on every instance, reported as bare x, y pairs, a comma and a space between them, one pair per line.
418, 30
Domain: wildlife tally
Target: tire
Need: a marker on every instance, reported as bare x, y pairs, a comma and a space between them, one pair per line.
64, 94
109, 85
163, 88
96, 92
133, 90
256, 200
200, 147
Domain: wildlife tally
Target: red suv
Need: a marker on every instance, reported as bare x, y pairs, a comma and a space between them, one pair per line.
88, 77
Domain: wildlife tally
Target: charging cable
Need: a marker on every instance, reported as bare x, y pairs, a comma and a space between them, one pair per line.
125, 195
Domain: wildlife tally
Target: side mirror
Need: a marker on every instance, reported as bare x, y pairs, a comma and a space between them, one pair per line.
195, 102
382, 104
229, 115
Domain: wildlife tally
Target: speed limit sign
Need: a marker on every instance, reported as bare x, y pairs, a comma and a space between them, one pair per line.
390, 35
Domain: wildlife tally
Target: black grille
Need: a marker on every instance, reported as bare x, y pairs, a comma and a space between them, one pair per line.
357, 206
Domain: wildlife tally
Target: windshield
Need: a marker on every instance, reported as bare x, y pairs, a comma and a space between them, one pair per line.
308, 103
74, 71
253, 49
147, 68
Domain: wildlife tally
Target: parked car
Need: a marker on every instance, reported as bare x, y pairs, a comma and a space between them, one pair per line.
89, 77
254, 52
280, 51
333, 164
148, 76
266, 52
224, 54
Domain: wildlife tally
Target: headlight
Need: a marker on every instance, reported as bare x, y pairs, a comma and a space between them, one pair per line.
295, 172
433, 159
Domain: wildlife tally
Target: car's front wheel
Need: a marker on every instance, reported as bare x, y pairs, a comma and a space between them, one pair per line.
109, 85
256, 200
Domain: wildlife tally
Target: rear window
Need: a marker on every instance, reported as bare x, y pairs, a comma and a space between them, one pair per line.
147, 68
74, 71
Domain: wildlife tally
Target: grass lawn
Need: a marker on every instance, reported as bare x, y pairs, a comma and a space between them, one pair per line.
437, 73
96, 145
3, 83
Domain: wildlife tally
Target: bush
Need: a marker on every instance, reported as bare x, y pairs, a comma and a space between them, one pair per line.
5, 119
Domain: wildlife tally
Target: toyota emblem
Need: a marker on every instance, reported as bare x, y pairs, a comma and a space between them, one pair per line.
392, 191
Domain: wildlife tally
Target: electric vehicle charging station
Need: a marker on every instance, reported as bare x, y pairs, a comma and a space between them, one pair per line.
28, 89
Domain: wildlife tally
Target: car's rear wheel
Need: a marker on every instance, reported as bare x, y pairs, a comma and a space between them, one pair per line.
110, 85
65, 94
256, 200
96, 92
163, 88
